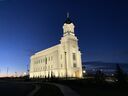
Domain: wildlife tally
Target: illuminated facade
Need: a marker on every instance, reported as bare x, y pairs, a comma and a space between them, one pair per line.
62, 60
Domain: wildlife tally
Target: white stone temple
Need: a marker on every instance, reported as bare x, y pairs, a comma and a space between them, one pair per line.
62, 60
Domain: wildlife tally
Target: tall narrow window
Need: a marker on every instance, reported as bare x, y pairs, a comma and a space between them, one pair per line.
74, 65
46, 60
74, 56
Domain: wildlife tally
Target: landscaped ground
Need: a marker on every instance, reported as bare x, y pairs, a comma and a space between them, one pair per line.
15, 89
22, 88
87, 88
82, 87
49, 90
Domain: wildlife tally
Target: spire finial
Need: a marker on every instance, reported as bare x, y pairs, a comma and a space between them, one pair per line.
67, 14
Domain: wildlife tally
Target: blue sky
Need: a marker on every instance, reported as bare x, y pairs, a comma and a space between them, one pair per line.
28, 26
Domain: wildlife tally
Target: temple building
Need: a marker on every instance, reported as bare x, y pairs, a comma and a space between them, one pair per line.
62, 60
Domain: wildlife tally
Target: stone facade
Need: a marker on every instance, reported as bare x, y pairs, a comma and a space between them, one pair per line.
62, 60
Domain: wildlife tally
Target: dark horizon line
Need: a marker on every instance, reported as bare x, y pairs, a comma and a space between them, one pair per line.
96, 61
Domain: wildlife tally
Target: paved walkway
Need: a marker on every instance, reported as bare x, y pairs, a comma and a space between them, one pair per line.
37, 87
65, 90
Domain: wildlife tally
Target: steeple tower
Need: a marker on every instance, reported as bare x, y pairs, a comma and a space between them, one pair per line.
70, 50
68, 27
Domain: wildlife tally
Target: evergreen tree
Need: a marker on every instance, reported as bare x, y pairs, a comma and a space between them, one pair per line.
99, 76
120, 75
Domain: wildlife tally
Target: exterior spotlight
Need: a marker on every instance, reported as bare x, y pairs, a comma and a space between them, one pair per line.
84, 71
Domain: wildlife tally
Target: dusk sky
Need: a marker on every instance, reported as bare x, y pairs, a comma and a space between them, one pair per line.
28, 26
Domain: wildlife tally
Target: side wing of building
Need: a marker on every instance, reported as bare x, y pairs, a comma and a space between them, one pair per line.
45, 63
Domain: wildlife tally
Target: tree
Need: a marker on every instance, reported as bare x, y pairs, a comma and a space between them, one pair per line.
120, 75
99, 76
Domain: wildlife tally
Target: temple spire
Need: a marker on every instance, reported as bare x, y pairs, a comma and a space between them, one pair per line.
67, 14
68, 21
